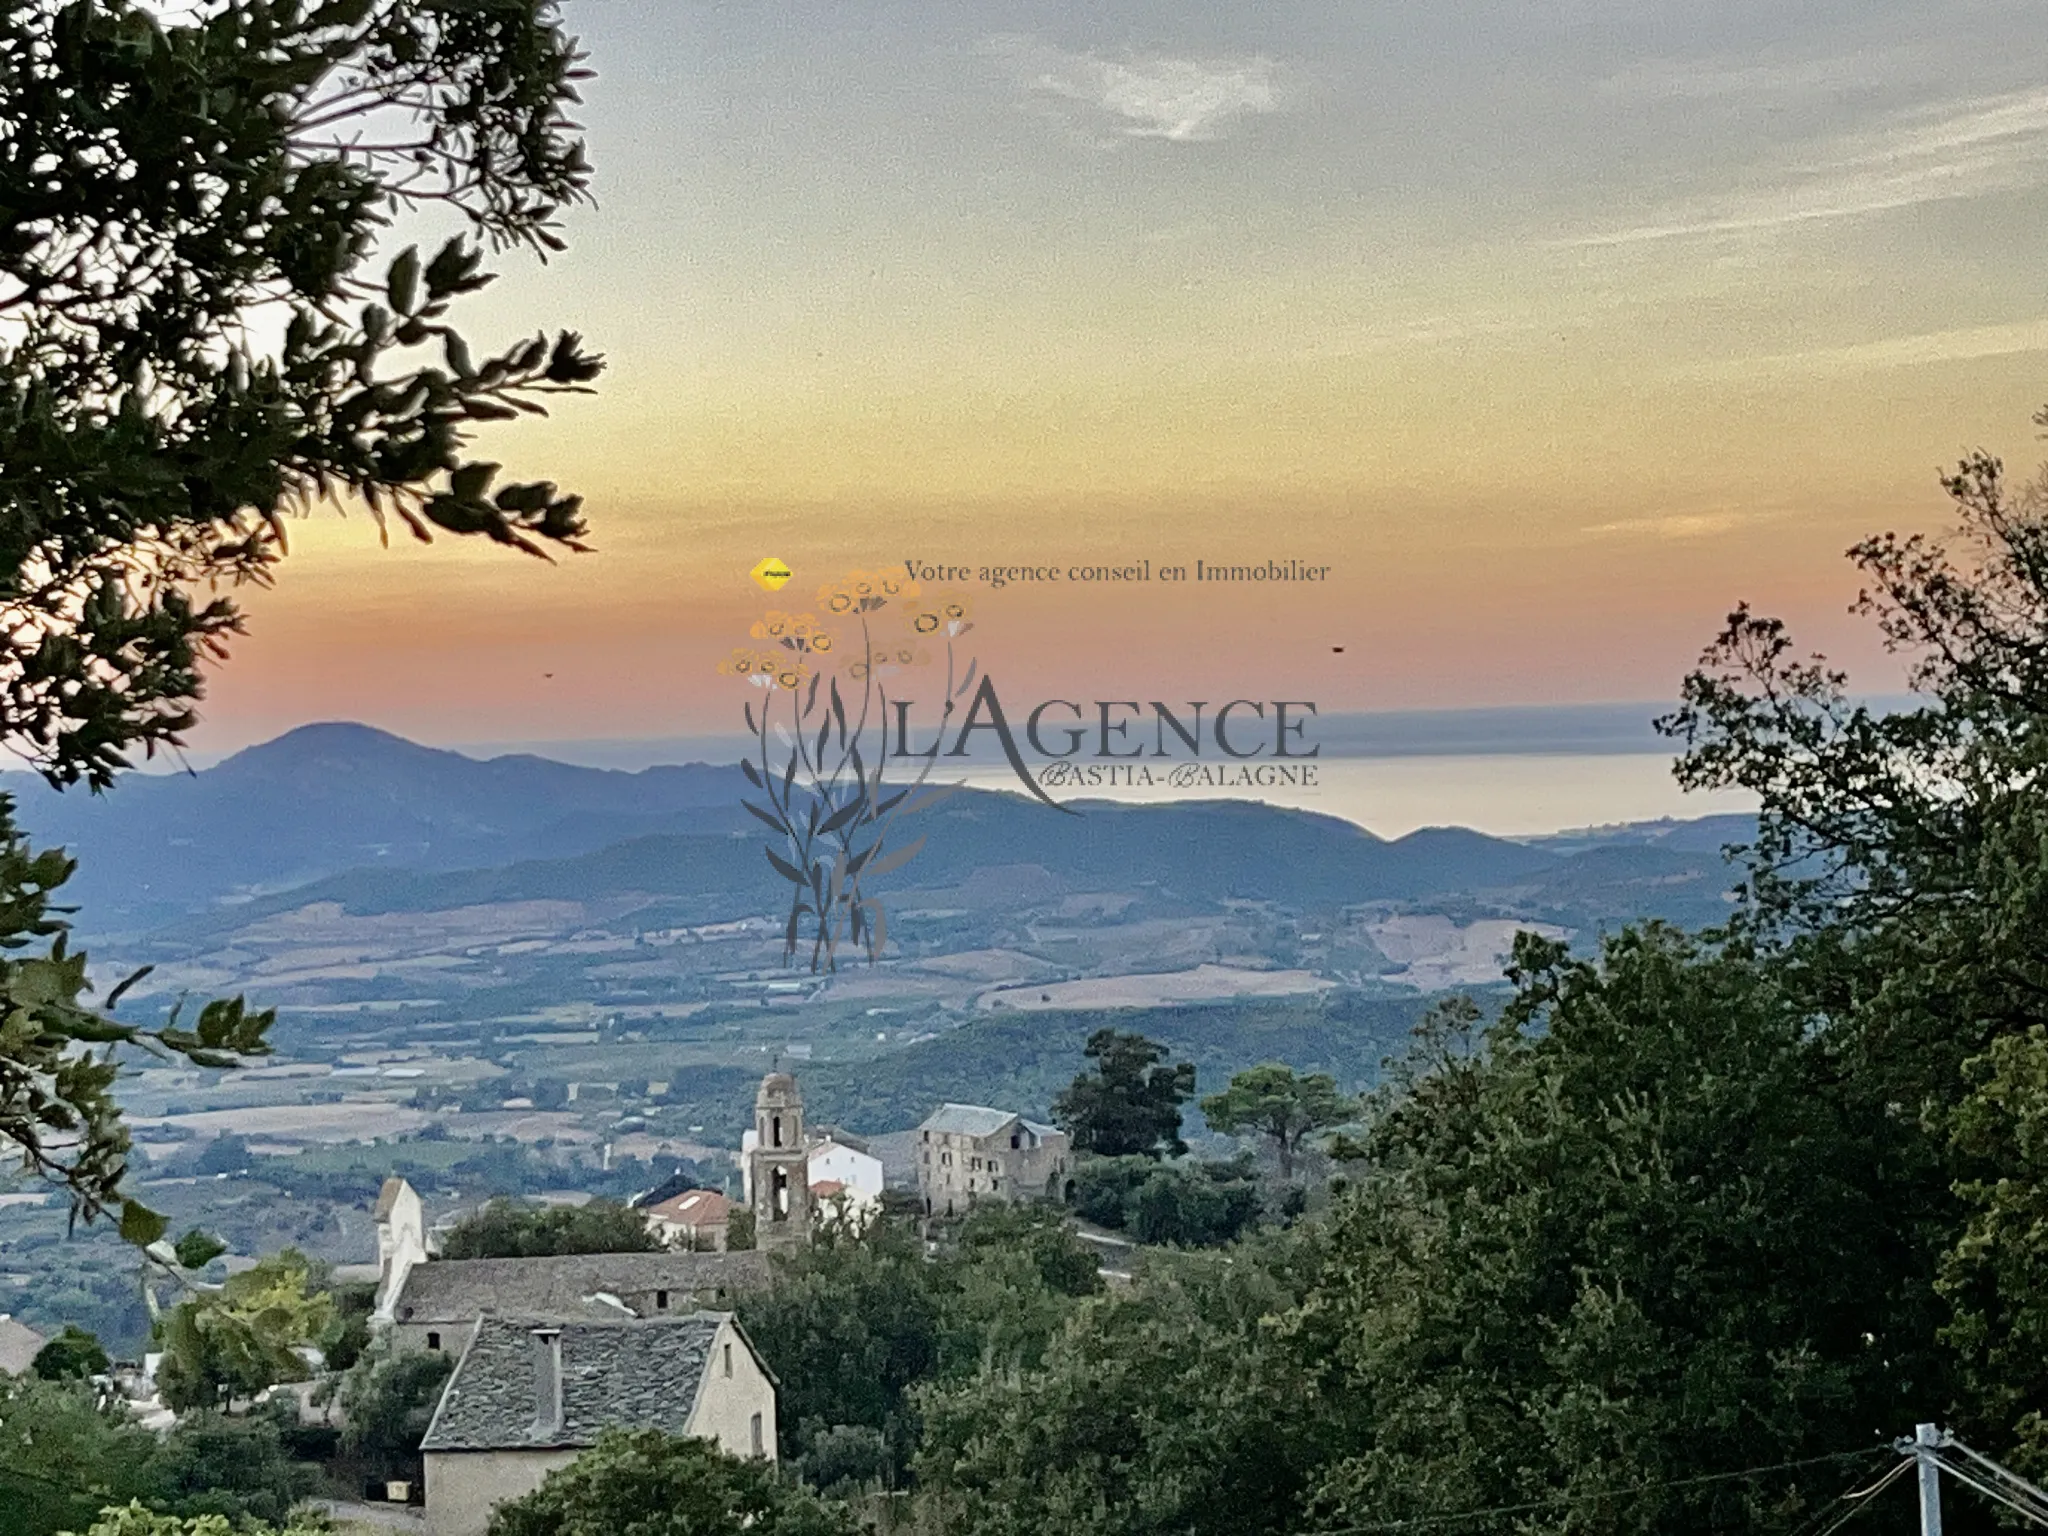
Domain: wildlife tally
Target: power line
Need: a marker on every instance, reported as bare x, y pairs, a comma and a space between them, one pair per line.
1420, 1522
1859, 1500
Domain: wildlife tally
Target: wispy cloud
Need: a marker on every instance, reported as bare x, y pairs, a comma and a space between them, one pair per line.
1956, 150
1683, 525
1962, 344
1149, 96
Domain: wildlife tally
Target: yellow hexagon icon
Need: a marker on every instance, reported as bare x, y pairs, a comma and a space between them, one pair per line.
771, 574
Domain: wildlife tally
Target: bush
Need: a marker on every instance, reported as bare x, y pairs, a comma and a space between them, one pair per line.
237, 1468
389, 1402
73, 1353
1188, 1204
505, 1229
646, 1481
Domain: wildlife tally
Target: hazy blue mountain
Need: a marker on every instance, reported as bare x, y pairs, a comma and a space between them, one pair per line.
328, 798
347, 813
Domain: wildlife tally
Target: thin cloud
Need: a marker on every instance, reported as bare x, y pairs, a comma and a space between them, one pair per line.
1684, 525
1958, 150
1183, 100
1961, 344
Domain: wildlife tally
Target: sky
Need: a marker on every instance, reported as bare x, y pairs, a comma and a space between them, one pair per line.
1552, 328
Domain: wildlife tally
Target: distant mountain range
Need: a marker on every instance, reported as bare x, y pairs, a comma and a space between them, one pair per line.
352, 814
327, 798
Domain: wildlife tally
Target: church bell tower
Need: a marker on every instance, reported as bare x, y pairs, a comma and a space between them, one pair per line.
778, 1172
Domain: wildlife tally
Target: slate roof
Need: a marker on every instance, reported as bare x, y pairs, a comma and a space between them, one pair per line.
628, 1375
967, 1120
1042, 1131
460, 1290
19, 1346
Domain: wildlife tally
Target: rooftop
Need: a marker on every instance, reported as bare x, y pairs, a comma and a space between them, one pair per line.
460, 1290
629, 1375
968, 1120
19, 1346
693, 1207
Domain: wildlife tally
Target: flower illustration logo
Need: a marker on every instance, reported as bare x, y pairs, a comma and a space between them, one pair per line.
821, 735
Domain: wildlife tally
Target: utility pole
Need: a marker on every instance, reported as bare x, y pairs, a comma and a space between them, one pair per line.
1926, 1440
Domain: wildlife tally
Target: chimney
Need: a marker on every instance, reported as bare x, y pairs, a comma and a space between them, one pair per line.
547, 1384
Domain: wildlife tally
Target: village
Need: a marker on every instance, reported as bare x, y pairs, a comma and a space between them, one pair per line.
549, 1351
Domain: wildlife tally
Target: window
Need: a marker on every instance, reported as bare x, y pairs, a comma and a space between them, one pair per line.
778, 1130
755, 1428
927, 1135
433, 1341
661, 1301
1016, 1140
728, 1359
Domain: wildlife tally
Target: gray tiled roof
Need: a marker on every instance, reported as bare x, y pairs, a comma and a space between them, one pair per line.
967, 1120
628, 1375
459, 1290
1042, 1131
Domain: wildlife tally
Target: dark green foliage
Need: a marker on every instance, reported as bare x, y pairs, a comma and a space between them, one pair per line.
1269, 1100
651, 1484
348, 1335
63, 1456
1130, 1104
1040, 1236
505, 1229
1165, 1408
1194, 1205
238, 1468
855, 1326
1024, 1062
388, 1402
849, 1329
1625, 1239
197, 1249
248, 157
1185, 1204
73, 1353
177, 186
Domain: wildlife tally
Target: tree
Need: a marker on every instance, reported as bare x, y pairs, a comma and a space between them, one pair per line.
1271, 1101
183, 188
1186, 1204
506, 1229
849, 1329
1645, 1234
234, 1342
74, 1353
666, 1485
388, 1400
64, 1454
1130, 1104
1165, 1408
238, 1469
1900, 868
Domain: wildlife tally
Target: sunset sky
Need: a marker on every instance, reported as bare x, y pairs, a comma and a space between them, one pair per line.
1552, 328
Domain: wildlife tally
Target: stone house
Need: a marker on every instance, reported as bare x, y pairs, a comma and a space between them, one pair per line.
968, 1152
529, 1395
438, 1302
